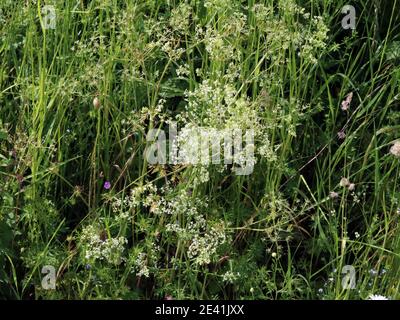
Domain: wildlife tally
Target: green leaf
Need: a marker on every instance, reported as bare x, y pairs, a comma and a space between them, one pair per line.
3, 135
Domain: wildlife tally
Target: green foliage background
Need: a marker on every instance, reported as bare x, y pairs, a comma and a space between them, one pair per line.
281, 67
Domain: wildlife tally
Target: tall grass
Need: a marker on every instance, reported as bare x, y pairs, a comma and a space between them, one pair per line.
279, 67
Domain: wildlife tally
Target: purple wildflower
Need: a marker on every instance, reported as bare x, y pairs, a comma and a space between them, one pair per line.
107, 185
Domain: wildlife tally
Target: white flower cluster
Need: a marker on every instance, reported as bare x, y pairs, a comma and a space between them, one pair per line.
215, 104
183, 71
224, 44
314, 41
215, 111
145, 195
377, 297
267, 151
217, 5
180, 18
166, 33
204, 146
141, 265
203, 238
280, 34
218, 48
143, 259
181, 204
204, 246
97, 248
230, 276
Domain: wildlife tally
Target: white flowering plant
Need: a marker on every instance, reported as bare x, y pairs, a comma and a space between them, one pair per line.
200, 149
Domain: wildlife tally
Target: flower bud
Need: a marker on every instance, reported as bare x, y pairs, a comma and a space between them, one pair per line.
96, 103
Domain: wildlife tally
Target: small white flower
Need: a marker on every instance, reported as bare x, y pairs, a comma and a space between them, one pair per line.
395, 149
230, 276
333, 195
344, 182
96, 103
377, 297
373, 273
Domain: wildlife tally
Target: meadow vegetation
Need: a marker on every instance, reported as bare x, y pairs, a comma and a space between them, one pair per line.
76, 191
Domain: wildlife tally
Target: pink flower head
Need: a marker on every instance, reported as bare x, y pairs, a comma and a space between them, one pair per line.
107, 185
341, 135
347, 101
